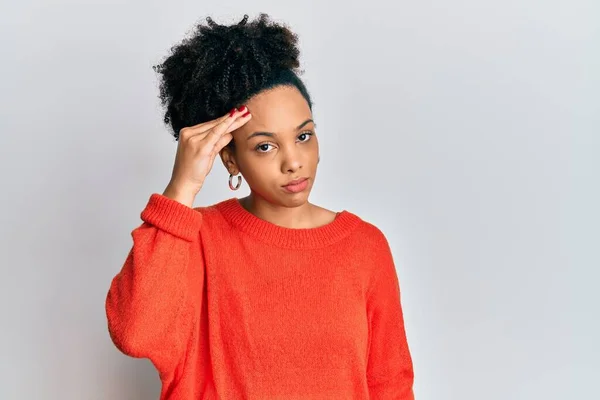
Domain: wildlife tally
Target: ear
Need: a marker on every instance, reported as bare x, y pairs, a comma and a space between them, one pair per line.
227, 155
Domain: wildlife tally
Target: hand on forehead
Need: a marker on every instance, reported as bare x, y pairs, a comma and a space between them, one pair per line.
277, 110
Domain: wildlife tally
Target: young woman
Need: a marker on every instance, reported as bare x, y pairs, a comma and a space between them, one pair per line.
267, 296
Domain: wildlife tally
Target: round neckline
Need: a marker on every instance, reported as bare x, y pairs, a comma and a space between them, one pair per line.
293, 238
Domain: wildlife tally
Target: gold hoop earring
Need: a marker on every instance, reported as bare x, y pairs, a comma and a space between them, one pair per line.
239, 182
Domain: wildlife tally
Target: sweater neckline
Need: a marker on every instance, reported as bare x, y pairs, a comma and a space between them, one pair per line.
293, 238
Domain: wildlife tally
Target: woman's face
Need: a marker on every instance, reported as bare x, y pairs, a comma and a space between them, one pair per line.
277, 145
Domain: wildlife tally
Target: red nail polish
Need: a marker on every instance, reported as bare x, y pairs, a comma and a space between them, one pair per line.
242, 108
246, 113
233, 110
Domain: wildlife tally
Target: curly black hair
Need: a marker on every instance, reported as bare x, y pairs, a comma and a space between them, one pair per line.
221, 66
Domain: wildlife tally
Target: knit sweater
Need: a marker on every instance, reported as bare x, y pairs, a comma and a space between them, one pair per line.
230, 306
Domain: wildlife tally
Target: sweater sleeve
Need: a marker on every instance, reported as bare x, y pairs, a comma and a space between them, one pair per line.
150, 305
389, 369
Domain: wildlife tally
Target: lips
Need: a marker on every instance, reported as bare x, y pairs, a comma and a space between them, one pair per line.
295, 182
296, 186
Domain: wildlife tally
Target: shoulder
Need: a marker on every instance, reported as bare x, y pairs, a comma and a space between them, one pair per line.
207, 210
367, 229
375, 247
372, 235
211, 214
381, 274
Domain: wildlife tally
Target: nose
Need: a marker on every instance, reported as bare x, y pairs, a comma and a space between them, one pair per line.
292, 159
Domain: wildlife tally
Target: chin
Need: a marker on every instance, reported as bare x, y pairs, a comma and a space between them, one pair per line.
279, 195
297, 199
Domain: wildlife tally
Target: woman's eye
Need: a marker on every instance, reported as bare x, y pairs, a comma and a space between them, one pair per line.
306, 134
261, 147
264, 147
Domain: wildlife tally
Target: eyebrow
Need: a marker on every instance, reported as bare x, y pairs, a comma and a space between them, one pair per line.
270, 134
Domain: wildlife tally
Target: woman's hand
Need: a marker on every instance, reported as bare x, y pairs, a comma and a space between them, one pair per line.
196, 152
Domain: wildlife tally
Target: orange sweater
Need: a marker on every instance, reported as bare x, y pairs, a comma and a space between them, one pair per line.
229, 306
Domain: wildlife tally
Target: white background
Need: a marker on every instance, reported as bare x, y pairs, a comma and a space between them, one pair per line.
468, 131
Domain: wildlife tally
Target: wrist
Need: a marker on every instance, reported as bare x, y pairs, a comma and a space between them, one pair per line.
181, 195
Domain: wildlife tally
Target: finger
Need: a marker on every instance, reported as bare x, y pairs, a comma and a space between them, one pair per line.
222, 142
190, 131
225, 127
206, 126
209, 124
238, 123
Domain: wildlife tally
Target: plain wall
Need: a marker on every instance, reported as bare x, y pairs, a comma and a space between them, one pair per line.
468, 131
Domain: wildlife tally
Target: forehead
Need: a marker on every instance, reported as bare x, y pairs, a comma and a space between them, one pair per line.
279, 109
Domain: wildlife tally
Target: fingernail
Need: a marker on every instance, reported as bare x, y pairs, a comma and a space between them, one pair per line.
246, 113
242, 108
233, 110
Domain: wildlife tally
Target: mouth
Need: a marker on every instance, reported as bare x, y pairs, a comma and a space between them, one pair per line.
295, 182
296, 186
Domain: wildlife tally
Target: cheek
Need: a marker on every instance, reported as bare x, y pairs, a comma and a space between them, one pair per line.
315, 142
315, 149
259, 173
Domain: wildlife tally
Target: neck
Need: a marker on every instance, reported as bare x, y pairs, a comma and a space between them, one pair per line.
317, 237
293, 216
